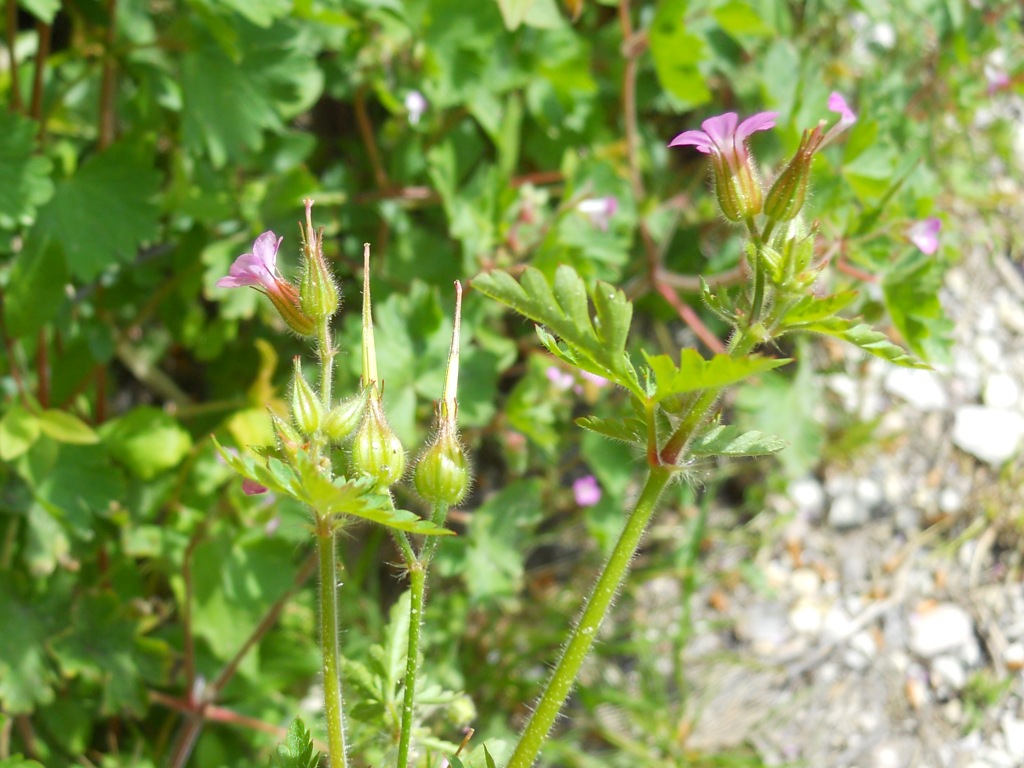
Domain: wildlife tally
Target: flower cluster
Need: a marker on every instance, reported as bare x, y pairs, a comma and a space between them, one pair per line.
738, 185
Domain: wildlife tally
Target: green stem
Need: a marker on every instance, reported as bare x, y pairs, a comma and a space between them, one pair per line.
583, 635
333, 706
417, 590
417, 604
325, 351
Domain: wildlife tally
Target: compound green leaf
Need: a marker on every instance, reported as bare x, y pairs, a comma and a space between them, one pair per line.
596, 345
102, 213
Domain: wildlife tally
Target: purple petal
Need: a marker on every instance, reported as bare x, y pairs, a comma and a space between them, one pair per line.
256, 268
721, 129
836, 103
925, 235
697, 139
762, 121
265, 249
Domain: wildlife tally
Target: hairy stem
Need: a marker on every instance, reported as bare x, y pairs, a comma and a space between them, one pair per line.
333, 706
417, 590
325, 351
582, 637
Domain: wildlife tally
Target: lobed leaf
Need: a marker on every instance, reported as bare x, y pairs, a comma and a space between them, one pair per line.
694, 373
811, 309
729, 440
864, 336
627, 430
342, 496
596, 344
296, 751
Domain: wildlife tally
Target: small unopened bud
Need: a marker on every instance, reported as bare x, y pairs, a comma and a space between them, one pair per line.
788, 193
376, 450
307, 412
289, 440
342, 420
442, 473
318, 294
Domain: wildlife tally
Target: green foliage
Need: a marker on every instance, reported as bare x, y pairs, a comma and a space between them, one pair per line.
297, 750
303, 482
597, 346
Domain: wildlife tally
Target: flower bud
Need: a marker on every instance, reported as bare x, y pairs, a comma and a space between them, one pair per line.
342, 420
376, 450
289, 440
787, 195
737, 188
442, 473
318, 295
307, 412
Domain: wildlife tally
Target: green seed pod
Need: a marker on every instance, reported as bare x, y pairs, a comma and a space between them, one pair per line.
376, 450
289, 440
442, 473
307, 413
318, 295
342, 421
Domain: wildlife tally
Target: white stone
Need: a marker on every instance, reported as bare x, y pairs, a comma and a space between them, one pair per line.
988, 349
950, 501
805, 582
943, 628
993, 435
948, 671
808, 495
1013, 732
1001, 391
847, 511
869, 492
1013, 657
922, 389
806, 617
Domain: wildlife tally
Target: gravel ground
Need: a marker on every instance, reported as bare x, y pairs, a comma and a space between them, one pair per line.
892, 629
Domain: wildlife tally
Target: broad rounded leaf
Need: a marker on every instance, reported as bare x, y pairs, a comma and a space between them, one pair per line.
147, 440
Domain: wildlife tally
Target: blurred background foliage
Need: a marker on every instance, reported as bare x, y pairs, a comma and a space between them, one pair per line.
153, 614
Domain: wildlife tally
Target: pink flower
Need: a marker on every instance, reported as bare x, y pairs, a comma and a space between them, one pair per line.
736, 183
723, 137
415, 105
562, 380
259, 270
252, 488
925, 235
586, 491
599, 210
